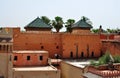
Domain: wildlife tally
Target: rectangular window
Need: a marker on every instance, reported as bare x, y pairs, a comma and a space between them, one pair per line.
28, 57
15, 58
40, 57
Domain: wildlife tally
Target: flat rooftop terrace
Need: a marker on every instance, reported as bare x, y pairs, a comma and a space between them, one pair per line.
82, 63
43, 68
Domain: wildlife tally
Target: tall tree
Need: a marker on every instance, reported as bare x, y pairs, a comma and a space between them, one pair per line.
86, 20
46, 19
57, 23
69, 24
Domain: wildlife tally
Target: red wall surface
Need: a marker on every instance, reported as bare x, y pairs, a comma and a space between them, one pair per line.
112, 47
34, 59
106, 36
38, 41
77, 44
81, 44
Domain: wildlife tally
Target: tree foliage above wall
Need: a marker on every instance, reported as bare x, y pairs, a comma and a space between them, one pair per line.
57, 23
69, 24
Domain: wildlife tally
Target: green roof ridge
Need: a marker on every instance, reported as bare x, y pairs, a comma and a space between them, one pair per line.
82, 24
38, 23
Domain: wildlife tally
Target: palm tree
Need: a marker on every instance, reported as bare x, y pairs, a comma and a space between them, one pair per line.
46, 19
57, 23
69, 24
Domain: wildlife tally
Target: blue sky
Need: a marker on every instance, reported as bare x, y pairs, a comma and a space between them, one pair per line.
18, 13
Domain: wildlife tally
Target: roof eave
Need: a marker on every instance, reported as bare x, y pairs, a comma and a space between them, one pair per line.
40, 27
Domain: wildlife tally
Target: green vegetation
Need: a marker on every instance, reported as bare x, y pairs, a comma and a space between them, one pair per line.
69, 24
46, 19
57, 23
105, 59
106, 31
116, 59
112, 30
86, 20
95, 30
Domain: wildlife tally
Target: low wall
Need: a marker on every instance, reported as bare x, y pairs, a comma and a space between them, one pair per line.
70, 71
104, 72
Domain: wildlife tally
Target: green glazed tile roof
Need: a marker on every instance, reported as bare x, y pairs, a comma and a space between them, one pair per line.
81, 24
38, 23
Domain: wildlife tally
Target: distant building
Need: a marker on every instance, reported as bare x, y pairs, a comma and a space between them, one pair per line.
6, 43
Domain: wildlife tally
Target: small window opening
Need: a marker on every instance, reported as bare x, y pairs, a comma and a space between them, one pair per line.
57, 47
28, 57
42, 47
15, 58
40, 57
71, 54
92, 55
101, 53
7, 47
82, 54
0, 47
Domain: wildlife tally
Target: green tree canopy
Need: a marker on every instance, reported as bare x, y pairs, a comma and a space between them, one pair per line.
57, 23
95, 30
46, 19
112, 30
69, 24
86, 20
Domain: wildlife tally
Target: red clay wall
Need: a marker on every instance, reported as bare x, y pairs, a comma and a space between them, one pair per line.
38, 41
59, 43
64, 43
111, 43
86, 43
107, 36
34, 59
112, 47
